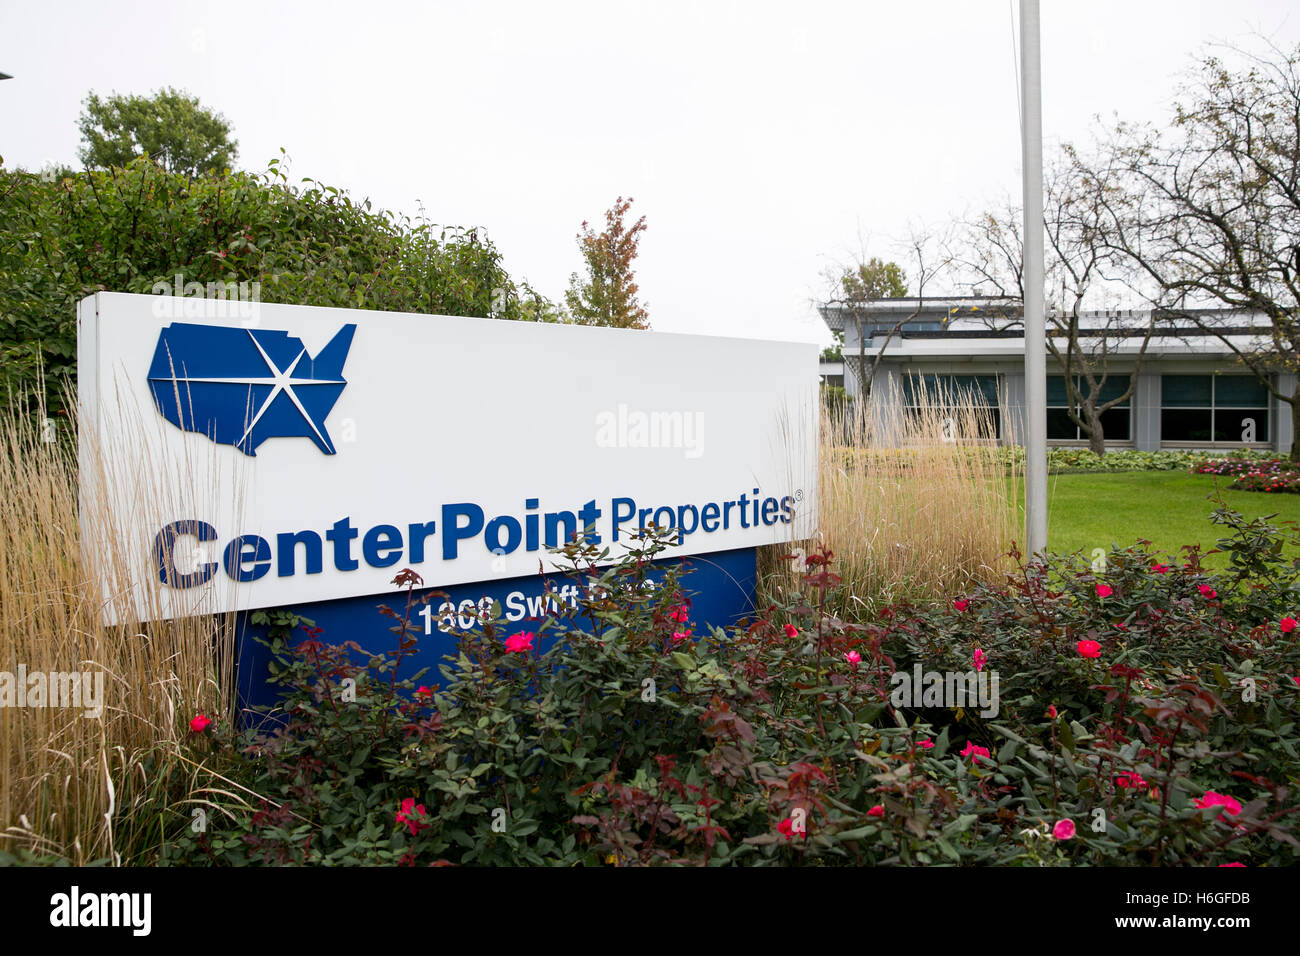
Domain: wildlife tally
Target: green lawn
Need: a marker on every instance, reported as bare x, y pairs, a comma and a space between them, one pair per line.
1168, 508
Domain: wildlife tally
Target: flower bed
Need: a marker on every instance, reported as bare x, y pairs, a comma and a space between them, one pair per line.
1268, 474
1277, 481
1074, 459
1240, 466
1065, 460
1138, 714
1083, 460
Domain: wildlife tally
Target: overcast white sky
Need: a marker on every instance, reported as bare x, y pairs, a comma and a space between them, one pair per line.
759, 140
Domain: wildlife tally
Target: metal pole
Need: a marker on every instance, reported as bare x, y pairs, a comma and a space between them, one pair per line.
1031, 141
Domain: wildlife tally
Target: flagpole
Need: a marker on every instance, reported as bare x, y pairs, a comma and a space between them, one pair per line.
1031, 141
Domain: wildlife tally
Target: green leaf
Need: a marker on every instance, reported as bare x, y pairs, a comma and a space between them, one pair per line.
947, 849
1065, 734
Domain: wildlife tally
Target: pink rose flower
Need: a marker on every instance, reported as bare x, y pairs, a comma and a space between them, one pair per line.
1131, 780
200, 724
853, 657
791, 631
1089, 649
1207, 591
961, 604
974, 751
925, 744
1288, 624
518, 643
1104, 590
786, 829
1212, 799
1064, 830
877, 811
980, 658
413, 815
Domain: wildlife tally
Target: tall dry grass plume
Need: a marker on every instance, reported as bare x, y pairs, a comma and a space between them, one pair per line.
72, 785
916, 503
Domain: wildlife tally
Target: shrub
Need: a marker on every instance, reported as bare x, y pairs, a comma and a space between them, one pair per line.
1250, 474
640, 741
1064, 460
1284, 481
1240, 466
1083, 460
126, 228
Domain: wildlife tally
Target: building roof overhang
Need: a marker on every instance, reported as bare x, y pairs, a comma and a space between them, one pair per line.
1206, 346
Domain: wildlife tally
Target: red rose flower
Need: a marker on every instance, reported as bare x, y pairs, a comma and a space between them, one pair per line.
1212, 799
975, 751
413, 815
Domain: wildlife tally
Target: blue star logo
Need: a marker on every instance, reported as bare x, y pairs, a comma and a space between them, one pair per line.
242, 386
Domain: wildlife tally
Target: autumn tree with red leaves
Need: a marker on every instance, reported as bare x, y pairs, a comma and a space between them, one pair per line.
608, 294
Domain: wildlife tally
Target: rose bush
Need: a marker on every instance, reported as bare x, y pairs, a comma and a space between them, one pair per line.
1240, 465
1145, 716
1276, 481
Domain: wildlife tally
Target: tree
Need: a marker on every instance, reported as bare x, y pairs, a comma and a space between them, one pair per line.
1209, 210
855, 287
1078, 267
608, 294
169, 127
873, 279
127, 228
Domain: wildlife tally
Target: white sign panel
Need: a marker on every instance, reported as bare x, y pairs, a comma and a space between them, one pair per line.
243, 455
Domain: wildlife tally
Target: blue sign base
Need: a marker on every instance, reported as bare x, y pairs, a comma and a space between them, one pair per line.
720, 585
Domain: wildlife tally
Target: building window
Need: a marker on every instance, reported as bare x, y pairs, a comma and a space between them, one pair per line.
1116, 422
1226, 409
922, 392
890, 329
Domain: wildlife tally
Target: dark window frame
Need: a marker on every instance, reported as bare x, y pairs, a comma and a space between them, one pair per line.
1079, 436
995, 409
1263, 430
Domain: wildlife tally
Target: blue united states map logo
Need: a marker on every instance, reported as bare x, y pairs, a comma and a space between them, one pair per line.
241, 386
